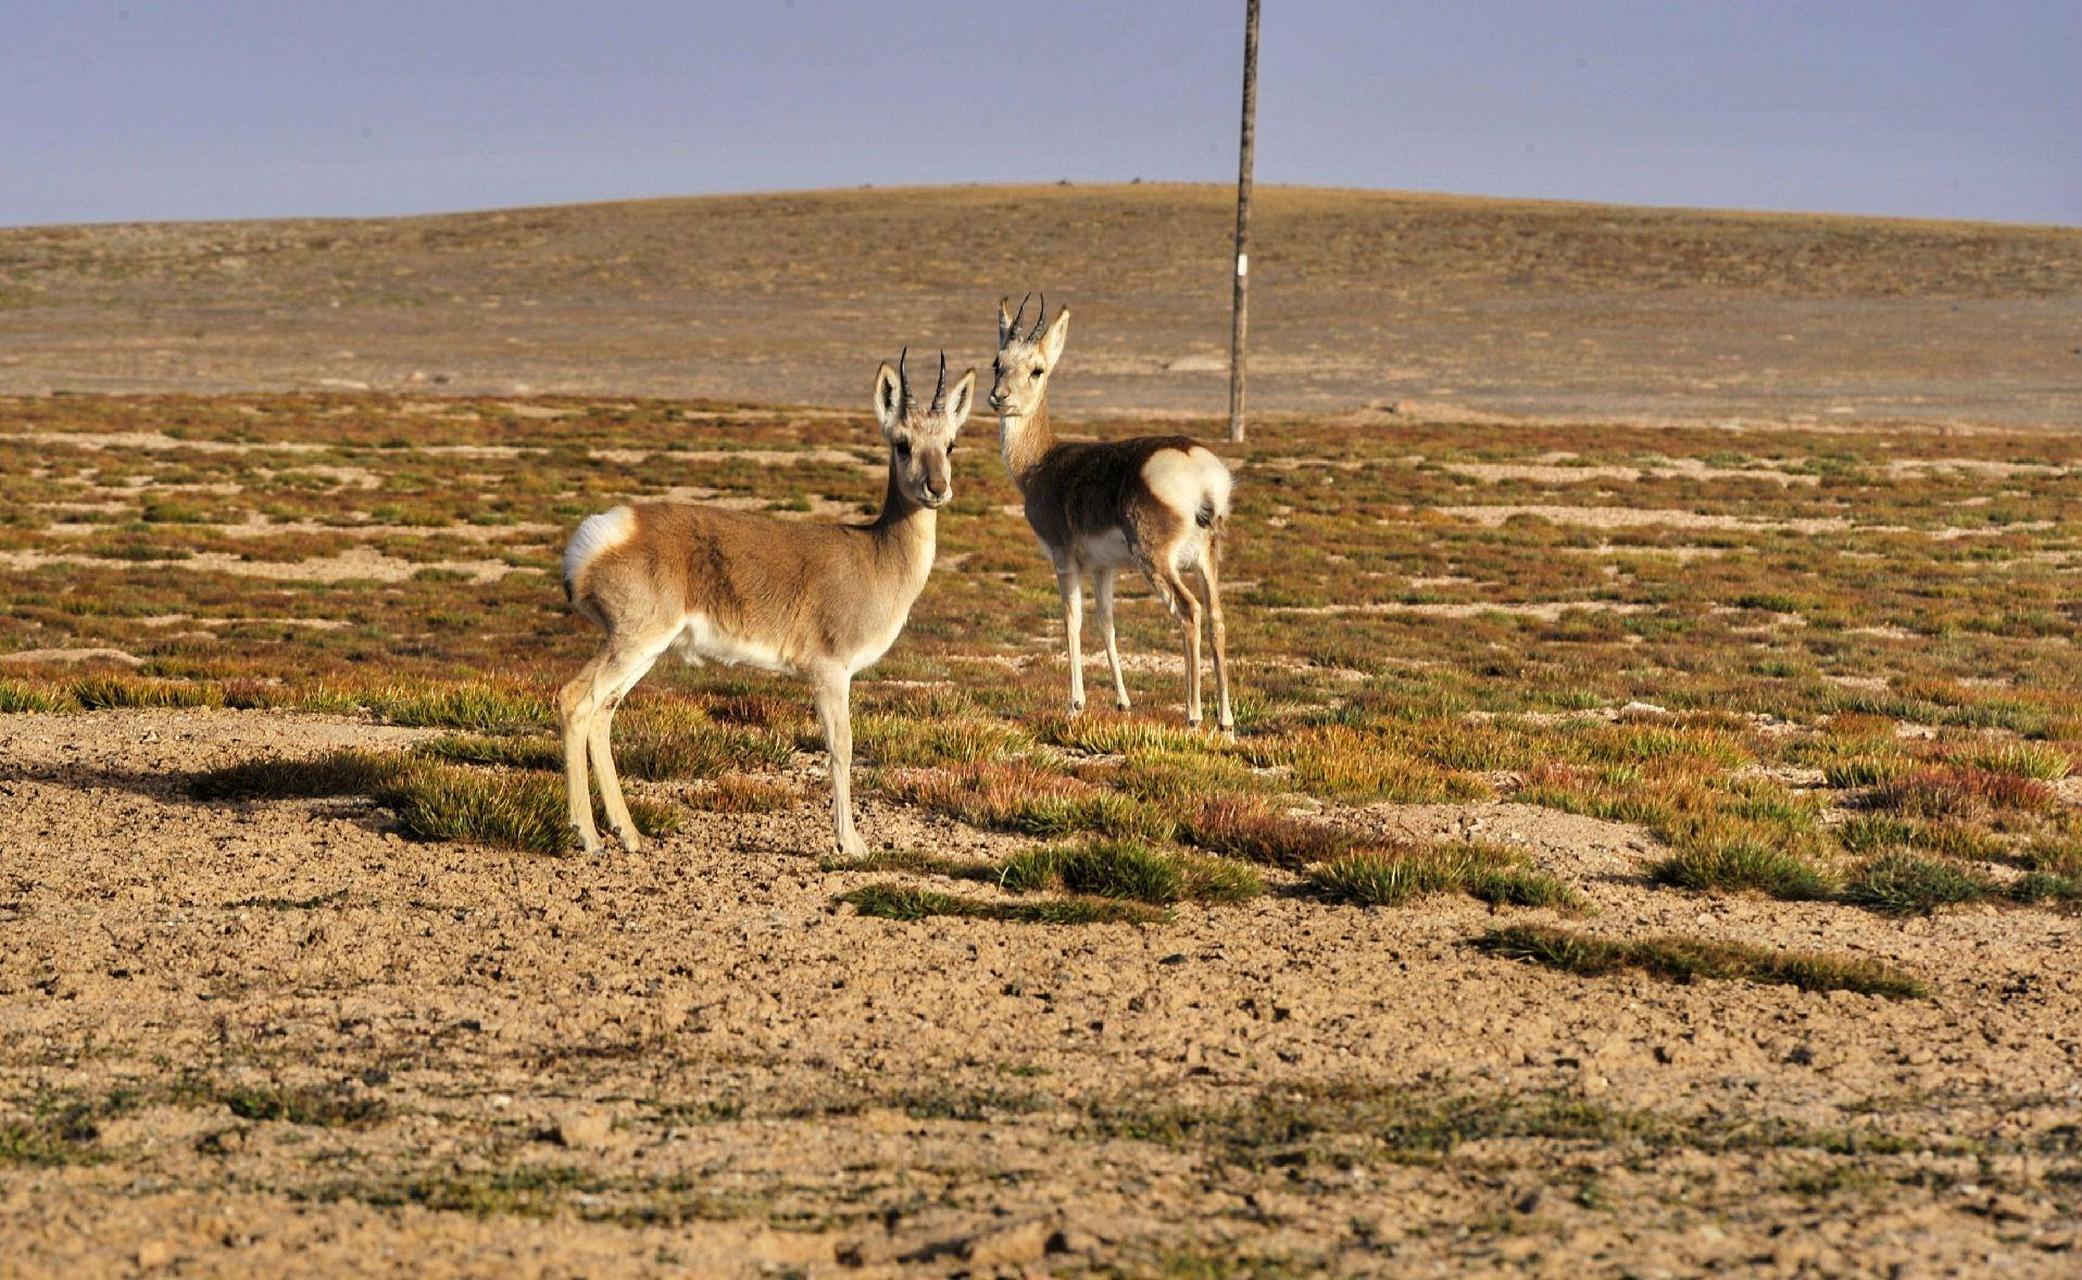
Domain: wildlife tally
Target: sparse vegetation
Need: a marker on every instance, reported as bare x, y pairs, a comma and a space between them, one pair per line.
1680, 959
1387, 877
898, 902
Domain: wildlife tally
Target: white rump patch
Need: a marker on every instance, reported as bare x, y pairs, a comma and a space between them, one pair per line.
1186, 479
603, 532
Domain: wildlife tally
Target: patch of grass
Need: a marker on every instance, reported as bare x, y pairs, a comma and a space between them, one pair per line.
1339, 762
1964, 793
882, 738
1247, 827
510, 751
1523, 887
432, 800
517, 811
1865, 771
479, 707
523, 1191
2048, 887
57, 1132
1681, 959
336, 773
319, 1106
2036, 760
1903, 883
1744, 862
1026, 799
1391, 876
15, 697
100, 693
897, 902
743, 793
1134, 870
289, 904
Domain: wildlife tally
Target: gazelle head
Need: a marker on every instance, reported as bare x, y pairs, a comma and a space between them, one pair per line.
921, 438
1026, 359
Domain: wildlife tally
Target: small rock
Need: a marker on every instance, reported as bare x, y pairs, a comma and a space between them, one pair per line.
153, 1254
1023, 1242
583, 1128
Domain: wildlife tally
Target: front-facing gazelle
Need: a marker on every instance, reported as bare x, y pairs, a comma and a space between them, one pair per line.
820, 601
1154, 502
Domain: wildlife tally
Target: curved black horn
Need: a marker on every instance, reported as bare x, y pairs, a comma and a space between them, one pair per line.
903, 381
1040, 318
1021, 314
940, 390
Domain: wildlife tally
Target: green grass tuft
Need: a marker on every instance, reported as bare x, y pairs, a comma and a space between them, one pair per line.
1389, 877
1681, 959
1744, 863
1904, 883
897, 902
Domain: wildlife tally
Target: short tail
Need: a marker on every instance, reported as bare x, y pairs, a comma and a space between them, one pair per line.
595, 534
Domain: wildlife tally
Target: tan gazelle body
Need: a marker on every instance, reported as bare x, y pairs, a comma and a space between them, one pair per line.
815, 600
1156, 503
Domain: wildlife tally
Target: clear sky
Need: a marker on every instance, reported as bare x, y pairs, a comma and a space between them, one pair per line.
150, 109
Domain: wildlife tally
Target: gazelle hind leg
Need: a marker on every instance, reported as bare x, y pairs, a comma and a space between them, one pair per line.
621, 675
1102, 595
577, 703
1185, 606
1211, 596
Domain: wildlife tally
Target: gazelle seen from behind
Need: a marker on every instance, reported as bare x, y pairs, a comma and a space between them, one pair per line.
819, 601
1154, 502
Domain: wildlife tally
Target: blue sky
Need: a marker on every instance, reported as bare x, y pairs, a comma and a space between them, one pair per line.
211, 108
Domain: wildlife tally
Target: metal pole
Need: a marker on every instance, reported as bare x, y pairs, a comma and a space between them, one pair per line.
1240, 315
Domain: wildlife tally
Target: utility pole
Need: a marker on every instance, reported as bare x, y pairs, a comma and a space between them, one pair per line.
1240, 320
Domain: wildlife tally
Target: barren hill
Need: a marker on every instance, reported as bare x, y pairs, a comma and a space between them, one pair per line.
1361, 298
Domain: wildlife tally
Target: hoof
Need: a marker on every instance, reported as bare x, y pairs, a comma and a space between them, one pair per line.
1077, 706
1120, 704
585, 842
852, 846
630, 841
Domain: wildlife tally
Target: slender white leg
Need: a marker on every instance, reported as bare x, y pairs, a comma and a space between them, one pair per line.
1186, 607
618, 679
833, 697
1072, 587
1211, 596
1102, 594
576, 705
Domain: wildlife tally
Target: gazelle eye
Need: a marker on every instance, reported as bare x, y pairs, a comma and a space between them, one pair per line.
1038, 371
903, 448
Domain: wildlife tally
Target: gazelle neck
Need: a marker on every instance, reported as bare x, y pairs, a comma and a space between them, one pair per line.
1024, 440
904, 528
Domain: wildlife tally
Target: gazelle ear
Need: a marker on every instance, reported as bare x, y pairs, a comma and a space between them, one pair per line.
889, 398
961, 400
1052, 341
1004, 322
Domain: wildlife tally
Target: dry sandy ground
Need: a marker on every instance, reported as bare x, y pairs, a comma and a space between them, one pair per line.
697, 1043
1360, 298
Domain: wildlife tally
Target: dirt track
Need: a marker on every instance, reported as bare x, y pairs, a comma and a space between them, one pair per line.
718, 1046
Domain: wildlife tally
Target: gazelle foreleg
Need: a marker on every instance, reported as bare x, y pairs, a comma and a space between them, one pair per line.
1072, 586
1102, 595
833, 693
